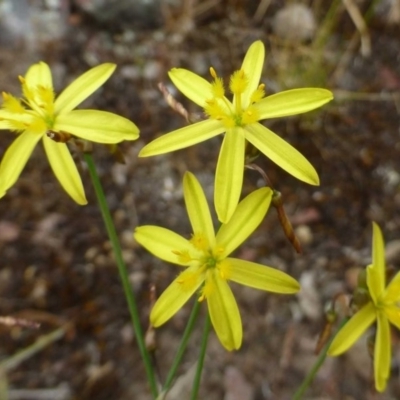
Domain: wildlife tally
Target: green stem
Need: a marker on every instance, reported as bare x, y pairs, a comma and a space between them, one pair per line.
182, 346
123, 272
320, 360
200, 363
43, 341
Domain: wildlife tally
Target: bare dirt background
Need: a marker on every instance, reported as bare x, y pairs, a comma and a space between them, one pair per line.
56, 264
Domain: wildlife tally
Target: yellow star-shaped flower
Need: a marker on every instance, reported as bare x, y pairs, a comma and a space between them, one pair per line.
239, 120
41, 116
207, 262
383, 307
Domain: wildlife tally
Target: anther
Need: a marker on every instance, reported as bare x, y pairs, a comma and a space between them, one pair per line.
213, 73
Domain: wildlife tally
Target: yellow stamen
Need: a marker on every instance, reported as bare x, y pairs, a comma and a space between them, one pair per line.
183, 256
238, 82
200, 242
250, 116
188, 280
258, 94
213, 73
206, 291
218, 251
12, 104
217, 88
224, 269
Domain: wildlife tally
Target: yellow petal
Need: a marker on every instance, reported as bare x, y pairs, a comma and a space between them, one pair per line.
175, 296
193, 86
252, 66
184, 137
292, 102
15, 158
246, 218
392, 312
197, 208
162, 242
19, 121
97, 126
224, 313
82, 87
64, 169
393, 290
39, 75
353, 330
281, 153
382, 353
5, 125
376, 273
229, 174
261, 277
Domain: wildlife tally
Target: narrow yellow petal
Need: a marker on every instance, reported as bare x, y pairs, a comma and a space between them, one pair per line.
292, 102
97, 126
229, 174
39, 74
162, 242
252, 66
382, 353
224, 313
175, 296
376, 273
353, 330
261, 277
247, 217
82, 87
15, 158
197, 208
64, 169
184, 137
392, 312
393, 290
5, 125
193, 86
281, 153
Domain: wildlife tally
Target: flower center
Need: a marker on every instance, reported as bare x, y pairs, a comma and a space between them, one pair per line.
208, 257
237, 114
35, 111
207, 260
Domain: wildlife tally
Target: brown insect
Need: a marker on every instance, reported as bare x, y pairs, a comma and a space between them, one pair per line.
59, 137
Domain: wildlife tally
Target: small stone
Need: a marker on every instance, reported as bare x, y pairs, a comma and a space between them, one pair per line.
294, 22
309, 298
304, 234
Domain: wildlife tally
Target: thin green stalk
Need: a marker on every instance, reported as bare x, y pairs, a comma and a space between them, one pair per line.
200, 363
43, 341
320, 360
123, 272
182, 345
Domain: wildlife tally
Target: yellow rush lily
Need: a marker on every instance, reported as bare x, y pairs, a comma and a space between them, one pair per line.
383, 307
208, 266
239, 120
40, 116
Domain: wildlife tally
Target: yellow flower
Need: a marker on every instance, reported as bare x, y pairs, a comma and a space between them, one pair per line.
40, 116
239, 119
208, 266
382, 307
